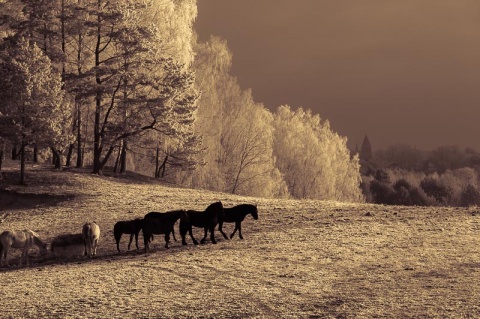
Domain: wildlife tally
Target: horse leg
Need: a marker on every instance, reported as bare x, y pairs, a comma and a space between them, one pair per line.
23, 256
173, 234
130, 242
167, 238
183, 232
204, 235
27, 257
146, 238
95, 245
117, 240
3, 255
212, 234
191, 235
220, 228
85, 245
235, 230
240, 230
136, 240
5, 252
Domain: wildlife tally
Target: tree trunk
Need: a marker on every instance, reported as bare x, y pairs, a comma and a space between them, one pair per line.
54, 155
69, 155
123, 157
58, 162
97, 149
1, 160
162, 168
14, 152
79, 137
117, 161
35, 153
157, 163
57, 159
22, 163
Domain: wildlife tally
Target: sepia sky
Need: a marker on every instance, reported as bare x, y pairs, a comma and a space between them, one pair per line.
397, 70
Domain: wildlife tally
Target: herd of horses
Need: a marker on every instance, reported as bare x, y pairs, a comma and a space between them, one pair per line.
153, 223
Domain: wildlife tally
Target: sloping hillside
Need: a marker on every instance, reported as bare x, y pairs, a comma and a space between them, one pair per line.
300, 259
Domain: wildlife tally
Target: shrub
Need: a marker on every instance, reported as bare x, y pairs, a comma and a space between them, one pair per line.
419, 198
432, 187
382, 176
402, 183
382, 193
469, 196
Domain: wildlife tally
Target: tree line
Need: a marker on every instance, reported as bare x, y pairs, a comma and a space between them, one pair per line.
128, 84
403, 175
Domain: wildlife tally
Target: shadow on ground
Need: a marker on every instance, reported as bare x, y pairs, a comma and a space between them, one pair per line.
13, 200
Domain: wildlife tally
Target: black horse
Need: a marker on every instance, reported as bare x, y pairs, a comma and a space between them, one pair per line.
207, 219
161, 215
236, 215
131, 227
162, 224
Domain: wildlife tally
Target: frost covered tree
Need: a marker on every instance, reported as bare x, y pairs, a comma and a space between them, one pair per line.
32, 108
237, 132
130, 58
314, 160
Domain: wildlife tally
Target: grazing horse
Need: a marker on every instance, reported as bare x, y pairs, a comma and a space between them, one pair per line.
207, 219
161, 223
236, 215
131, 227
90, 235
24, 240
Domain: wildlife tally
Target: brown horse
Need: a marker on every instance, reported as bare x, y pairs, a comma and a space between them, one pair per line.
24, 240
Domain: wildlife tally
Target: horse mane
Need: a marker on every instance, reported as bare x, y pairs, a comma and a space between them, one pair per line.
215, 205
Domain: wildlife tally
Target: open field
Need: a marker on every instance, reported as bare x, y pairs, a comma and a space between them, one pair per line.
301, 259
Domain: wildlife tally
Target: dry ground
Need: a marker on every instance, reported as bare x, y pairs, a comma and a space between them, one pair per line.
301, 259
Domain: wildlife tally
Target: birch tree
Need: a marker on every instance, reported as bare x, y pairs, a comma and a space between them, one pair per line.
314, 160
238, 132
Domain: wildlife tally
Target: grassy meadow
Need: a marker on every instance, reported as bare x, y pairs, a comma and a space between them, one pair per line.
300, 259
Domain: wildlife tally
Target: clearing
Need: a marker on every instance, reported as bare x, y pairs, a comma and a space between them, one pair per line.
300, 259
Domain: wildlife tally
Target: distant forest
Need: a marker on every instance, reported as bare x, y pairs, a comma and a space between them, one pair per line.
127, 86
403, 175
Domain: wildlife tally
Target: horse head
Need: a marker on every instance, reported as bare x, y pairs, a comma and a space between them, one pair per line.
255, 212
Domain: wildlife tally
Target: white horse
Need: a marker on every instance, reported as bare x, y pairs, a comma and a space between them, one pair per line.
90, 235
24, 240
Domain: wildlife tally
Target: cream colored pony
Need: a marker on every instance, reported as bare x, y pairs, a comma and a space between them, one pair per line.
24, 240
90, 235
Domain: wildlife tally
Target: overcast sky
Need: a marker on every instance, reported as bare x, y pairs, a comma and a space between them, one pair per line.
397, 70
